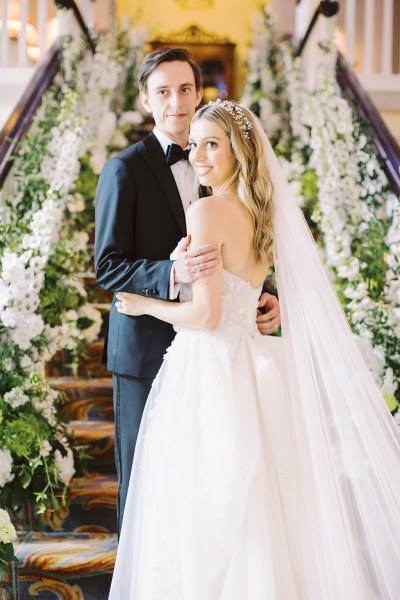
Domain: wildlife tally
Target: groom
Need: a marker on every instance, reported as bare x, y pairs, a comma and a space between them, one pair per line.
141, 198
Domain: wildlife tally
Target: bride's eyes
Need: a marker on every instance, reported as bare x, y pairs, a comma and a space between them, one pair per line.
207, 144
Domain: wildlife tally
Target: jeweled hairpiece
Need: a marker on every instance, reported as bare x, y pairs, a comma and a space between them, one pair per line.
237, 113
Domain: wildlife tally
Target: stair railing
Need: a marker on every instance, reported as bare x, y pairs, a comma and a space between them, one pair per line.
385, 144
21, 118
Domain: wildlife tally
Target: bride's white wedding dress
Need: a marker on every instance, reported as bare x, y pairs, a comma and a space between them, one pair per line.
266, 468
214, 510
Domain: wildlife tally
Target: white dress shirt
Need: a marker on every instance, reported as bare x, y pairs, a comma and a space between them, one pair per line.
188, 186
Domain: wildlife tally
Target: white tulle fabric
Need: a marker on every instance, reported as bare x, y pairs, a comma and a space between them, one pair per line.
266, 468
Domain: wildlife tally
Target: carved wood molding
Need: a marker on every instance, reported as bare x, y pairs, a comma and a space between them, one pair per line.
193, 34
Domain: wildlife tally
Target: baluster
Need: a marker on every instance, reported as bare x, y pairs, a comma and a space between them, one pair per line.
387, 37
350, 30
369, 36
4, 35
22, 42
369, 18
42, 22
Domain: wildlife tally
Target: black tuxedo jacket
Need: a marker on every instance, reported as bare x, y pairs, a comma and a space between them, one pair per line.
139, 221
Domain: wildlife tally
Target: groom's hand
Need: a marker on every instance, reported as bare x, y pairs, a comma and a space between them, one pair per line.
268, 321
194, 264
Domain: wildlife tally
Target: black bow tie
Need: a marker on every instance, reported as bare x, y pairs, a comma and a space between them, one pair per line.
175, 153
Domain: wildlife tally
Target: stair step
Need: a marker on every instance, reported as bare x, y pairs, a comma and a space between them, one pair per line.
98, 438
93, 363
84, 387
86, 399
90, 507
65, 565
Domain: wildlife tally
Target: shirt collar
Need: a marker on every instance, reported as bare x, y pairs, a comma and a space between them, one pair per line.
164, 140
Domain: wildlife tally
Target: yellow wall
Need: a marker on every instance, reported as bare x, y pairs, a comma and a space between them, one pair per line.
231, 18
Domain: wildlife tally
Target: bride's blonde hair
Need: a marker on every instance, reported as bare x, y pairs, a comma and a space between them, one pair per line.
250, 176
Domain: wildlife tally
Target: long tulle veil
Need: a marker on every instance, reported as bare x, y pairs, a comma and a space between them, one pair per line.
347, 450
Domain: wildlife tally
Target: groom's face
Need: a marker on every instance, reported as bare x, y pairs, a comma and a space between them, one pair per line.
172, 98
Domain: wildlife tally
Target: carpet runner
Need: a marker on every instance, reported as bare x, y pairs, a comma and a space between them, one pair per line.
70, 554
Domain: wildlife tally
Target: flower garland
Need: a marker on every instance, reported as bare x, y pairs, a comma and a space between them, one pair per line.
46, 212
347, 201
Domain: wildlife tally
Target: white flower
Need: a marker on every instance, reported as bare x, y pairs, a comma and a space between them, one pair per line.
45, 448
6, 464
80, 240
131, 117
373, 357
7, 529
26, 362
76, 204
46, 407
65, 465
87, 311
389, 385
16, 397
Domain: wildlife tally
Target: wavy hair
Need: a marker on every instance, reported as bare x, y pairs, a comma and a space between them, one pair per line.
250, 175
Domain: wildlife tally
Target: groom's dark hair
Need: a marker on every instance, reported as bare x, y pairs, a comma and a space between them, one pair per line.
156, 58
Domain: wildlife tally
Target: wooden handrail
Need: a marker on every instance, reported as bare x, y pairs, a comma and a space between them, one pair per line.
328, 8
71, 5
385, 144
22, 116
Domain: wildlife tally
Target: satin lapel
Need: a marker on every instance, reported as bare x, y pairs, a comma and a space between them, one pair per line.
155, 158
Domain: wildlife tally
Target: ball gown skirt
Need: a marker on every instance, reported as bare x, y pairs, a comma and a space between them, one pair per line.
217, 509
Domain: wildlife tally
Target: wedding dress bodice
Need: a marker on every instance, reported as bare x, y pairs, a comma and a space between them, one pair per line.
239, 305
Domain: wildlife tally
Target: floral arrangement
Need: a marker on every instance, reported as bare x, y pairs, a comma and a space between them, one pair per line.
7, 536
329, 159
46, 215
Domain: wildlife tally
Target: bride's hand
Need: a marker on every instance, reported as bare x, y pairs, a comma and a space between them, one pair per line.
131, 304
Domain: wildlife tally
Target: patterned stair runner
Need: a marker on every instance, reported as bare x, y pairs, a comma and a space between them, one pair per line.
70, 554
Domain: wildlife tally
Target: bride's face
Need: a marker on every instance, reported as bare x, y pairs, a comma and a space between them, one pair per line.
210, 155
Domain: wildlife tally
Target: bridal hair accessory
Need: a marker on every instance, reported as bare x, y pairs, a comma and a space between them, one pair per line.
237, 113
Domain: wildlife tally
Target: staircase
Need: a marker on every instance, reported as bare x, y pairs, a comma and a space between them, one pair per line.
70, 554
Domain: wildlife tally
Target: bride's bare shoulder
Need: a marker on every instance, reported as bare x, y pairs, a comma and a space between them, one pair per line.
209, 205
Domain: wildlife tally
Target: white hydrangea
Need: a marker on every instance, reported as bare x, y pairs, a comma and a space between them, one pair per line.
16, 397
7, 529
6, 467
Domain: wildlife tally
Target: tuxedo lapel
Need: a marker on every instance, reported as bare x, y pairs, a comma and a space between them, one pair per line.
154, 155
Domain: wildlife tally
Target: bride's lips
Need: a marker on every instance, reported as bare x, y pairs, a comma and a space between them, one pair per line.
203, 170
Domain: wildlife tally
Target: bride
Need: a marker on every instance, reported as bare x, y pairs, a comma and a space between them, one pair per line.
266, 468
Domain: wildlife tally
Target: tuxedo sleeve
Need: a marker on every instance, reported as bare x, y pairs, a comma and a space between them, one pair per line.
116, 266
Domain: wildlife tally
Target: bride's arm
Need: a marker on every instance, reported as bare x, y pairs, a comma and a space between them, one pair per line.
204, 310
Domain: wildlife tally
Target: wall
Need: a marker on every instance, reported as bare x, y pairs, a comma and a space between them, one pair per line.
230, 18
